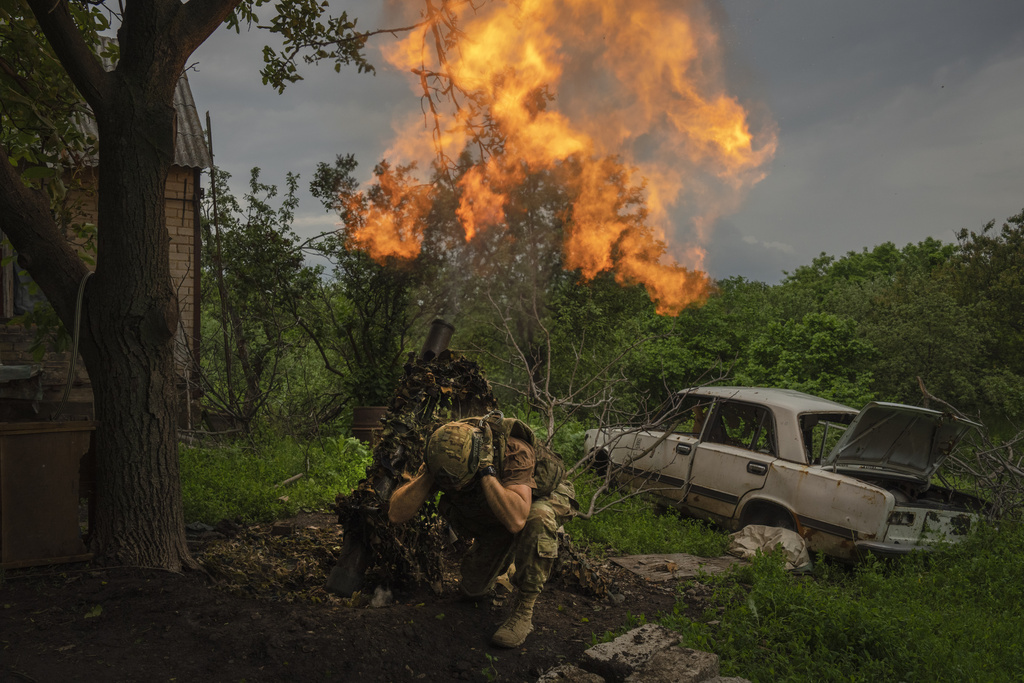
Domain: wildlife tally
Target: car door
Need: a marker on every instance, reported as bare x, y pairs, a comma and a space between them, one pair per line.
662, 454
733, 457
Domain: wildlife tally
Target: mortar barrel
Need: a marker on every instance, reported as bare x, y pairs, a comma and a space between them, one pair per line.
438, 337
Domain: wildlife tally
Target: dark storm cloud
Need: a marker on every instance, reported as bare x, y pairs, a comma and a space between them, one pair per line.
897, 121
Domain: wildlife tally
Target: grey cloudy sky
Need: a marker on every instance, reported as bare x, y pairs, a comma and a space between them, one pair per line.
897, 121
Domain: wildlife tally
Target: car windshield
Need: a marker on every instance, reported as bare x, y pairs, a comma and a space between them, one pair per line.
821, 432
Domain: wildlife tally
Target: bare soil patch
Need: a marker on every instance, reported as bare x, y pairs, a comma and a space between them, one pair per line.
261, 614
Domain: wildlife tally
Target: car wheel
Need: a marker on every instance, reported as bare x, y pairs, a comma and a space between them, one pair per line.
770, 515
600, 463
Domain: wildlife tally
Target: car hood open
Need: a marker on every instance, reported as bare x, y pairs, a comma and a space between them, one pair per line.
891, 438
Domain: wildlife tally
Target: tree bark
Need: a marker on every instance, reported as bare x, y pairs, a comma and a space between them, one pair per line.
130, 307
132, 317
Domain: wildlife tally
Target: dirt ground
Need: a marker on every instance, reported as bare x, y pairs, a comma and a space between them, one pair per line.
260, 614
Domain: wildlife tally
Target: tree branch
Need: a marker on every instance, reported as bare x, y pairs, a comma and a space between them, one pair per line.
26, 219
83, 66
199, 19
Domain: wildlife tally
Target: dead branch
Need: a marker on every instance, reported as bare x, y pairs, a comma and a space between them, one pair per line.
290, 480
982, 467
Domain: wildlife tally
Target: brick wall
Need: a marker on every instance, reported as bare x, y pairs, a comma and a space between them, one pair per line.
16, 340
181, 226
180, 216
37, 397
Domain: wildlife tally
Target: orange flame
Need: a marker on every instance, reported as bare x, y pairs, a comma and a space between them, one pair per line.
479, 206
391, 224
637, 80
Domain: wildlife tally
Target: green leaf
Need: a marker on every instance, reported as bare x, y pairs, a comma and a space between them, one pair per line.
38, 172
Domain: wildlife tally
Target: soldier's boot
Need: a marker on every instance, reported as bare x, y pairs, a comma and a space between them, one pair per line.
519, 624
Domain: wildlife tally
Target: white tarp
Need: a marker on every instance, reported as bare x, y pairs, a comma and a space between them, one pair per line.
750, 539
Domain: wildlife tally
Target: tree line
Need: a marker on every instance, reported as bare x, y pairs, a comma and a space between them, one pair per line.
858, 325
326, 327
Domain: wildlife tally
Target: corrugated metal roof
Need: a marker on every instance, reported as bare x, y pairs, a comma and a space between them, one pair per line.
190, 146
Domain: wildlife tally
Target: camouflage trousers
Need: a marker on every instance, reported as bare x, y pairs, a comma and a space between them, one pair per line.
534, 549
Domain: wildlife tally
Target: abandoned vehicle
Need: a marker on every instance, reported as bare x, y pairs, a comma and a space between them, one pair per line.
849, 482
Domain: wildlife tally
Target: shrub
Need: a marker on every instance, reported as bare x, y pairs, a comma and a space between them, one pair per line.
952, 615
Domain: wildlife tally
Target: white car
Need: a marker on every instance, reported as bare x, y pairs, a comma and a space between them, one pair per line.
847, 481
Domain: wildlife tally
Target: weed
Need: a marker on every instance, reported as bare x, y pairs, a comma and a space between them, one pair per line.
233, 482
634, 527
632, 622
490, 671
949, 616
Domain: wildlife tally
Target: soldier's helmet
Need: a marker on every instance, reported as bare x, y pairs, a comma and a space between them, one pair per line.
453, 454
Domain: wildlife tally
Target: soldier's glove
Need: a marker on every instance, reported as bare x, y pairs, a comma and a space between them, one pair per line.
488, 424
486, 451
485, 465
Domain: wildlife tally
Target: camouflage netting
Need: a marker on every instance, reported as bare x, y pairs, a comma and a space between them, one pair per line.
431, 393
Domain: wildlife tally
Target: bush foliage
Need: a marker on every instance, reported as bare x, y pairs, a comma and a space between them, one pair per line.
241, 482
567, 355
950, 616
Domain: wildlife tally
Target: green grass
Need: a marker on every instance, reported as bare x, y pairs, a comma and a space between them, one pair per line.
634, 527
953, 616
950, 616
238, 482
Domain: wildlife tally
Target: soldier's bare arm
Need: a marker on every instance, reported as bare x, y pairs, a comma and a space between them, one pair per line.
408, 498
510, 504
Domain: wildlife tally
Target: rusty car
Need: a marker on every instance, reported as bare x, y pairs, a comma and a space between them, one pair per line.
848, 481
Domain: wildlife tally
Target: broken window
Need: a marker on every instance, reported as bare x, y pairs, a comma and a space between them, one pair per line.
687, 417
745, 426
821, 432
19, 294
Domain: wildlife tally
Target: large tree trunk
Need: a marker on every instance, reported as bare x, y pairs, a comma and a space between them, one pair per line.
132, 316
131, 312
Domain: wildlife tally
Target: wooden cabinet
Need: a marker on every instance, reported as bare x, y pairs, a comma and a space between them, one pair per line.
41, 472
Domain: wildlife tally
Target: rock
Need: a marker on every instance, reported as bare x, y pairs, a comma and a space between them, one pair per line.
677, 665
628, 653
567, 673
381, 597
228, 528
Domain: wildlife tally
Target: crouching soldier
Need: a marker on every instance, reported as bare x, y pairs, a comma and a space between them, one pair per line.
509, 494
